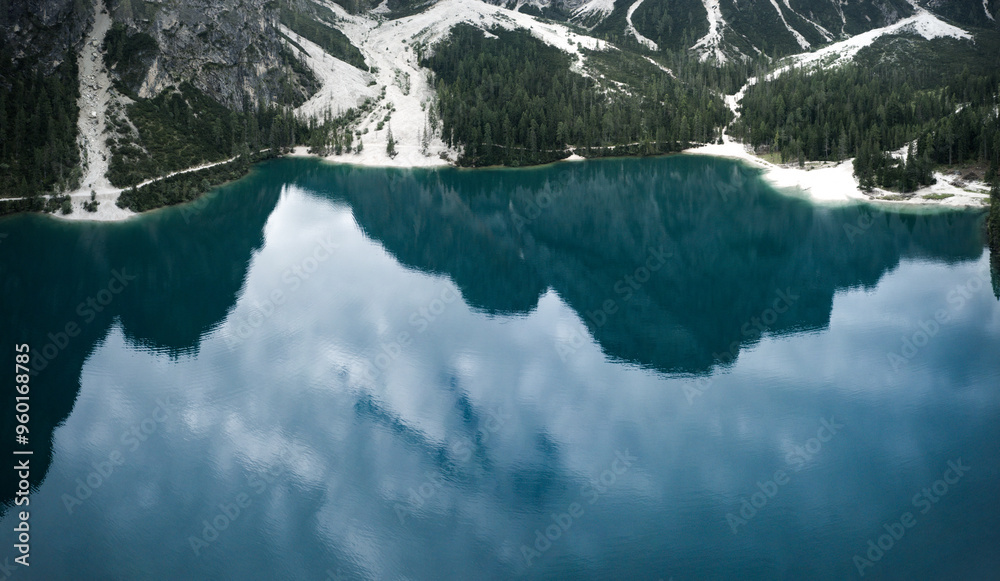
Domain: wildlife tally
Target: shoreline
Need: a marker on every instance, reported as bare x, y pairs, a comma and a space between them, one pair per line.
108, 210
818, 182
834, 183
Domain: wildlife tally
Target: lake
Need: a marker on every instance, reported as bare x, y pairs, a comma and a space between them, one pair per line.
618, 369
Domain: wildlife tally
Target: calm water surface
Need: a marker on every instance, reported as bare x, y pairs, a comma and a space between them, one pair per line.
625, 369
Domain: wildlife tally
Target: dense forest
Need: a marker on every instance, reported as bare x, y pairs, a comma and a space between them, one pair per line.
38, 116
831, 114
514, 100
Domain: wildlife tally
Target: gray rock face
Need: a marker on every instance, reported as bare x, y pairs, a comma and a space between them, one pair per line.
229, 49
45, 29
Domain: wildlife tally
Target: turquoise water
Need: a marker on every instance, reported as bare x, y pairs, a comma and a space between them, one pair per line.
621, 369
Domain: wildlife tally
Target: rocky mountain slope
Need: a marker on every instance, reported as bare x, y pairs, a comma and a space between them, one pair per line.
231, 50
43, 30
727, 29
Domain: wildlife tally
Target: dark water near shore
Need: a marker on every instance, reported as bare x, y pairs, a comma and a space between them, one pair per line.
622, 369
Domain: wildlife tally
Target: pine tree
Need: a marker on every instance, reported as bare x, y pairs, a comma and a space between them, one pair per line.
390, 144
864, 169
911, 171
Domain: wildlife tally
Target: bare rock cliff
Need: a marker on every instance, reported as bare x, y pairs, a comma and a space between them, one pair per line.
229, 49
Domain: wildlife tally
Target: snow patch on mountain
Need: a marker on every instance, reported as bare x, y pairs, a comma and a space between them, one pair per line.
708, 45
591, 8
798, 37
826, 34
344, 86
661, 67
930, 27
986, 9
638, 36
